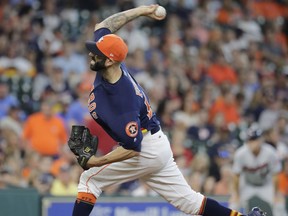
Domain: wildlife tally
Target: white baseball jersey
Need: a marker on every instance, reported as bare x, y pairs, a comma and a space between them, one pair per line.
256, 172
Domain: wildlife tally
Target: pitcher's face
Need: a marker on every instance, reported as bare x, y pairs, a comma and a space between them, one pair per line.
97, 62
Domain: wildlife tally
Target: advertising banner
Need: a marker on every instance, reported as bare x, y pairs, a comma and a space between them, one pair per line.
114, 206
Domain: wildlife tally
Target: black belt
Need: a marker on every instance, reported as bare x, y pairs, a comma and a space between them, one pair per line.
155, 129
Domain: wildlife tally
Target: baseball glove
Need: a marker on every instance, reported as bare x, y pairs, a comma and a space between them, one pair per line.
82, 144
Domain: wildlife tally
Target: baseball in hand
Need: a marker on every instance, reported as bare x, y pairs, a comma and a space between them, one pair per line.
160, 12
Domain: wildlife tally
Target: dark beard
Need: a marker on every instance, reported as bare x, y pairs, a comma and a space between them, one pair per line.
98, 66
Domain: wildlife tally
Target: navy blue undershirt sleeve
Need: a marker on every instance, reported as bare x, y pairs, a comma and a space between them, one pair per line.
100, 33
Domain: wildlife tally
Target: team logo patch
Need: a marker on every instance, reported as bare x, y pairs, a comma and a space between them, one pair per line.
132, 129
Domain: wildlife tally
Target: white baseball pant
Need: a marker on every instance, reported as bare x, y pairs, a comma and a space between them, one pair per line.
155, 166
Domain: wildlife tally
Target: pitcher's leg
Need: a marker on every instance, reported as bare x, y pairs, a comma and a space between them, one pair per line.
171, 185
83, 204
94, 180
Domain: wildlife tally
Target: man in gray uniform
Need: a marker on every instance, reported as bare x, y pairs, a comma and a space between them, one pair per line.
255, 166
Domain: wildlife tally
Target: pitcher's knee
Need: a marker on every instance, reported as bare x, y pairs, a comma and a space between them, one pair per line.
88, 184
189, 204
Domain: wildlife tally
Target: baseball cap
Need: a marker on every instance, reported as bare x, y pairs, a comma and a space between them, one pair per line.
254, 132
110, 45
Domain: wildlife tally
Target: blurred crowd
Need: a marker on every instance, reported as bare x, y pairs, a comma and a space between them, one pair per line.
211, 68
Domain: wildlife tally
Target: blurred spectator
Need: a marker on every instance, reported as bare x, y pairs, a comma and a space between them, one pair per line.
207, 95
196, 181
187, 116
271, 137
270, 114
12, 121
248, 84
44, 132
256, 106
251, 29
10, 179
7, 100
282, 125
11, 171
14, 63
70, 61
268, 9
228, 13
77, 112
223, 186
42, 80
57, 86
199, 171
30, 166
283, 181
199, 135
153, 56
220, 72
209, 186
66, 157
219, 158
63, 185
132, 35
42, 182
273, 48
49, 15
164, 112
41, 177
225, 105
11, 158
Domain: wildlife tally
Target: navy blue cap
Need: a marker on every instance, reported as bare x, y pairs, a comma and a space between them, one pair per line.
254, 133
92, 47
